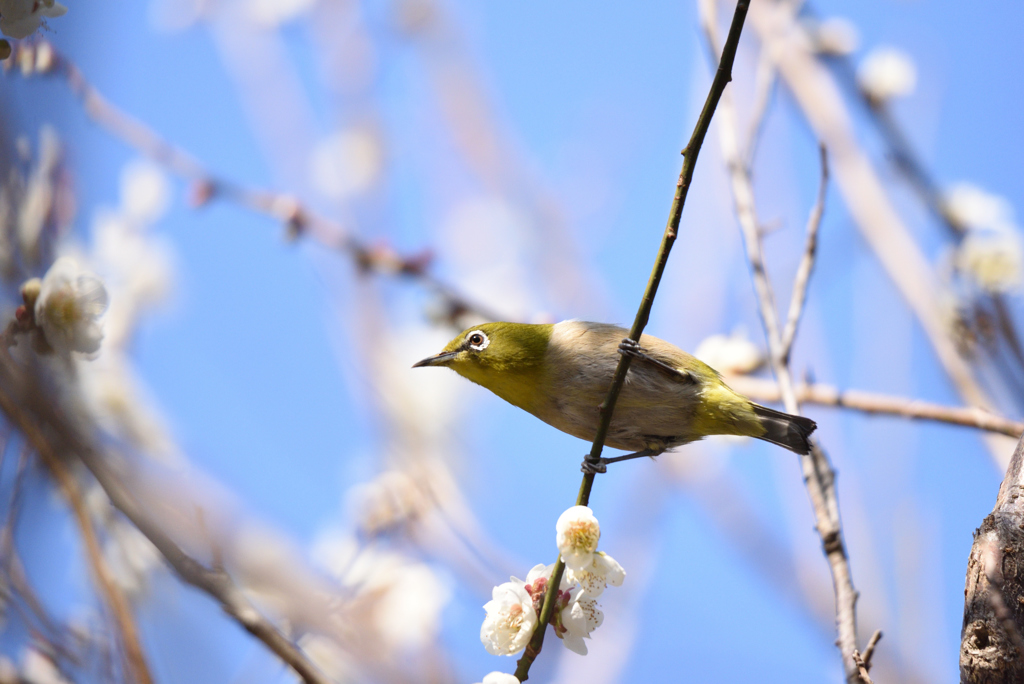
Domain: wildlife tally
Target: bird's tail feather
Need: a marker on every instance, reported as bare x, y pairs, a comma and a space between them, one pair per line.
789, 431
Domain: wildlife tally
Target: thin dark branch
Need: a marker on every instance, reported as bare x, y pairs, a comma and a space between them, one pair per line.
690, 153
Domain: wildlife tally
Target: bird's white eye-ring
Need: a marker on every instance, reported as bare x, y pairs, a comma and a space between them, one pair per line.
477, 340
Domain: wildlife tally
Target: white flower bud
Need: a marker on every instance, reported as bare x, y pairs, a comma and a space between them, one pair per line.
510, 619
577, 533
886, 73
992, 259
70, 302
500, 678
730, 354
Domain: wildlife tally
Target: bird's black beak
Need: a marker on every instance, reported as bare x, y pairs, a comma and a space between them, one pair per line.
436, 360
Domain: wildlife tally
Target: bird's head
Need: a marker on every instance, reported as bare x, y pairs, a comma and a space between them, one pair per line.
506, 358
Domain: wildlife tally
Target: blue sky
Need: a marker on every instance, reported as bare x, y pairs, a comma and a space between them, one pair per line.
256, 360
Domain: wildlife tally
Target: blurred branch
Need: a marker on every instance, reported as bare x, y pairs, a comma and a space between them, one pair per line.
991, 649
61, 438
119, 607
803, 274
690, 153
819, 476
299, 219
914, 169
872, 402
818, 97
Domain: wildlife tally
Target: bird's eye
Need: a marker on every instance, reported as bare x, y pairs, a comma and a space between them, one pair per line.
477, 340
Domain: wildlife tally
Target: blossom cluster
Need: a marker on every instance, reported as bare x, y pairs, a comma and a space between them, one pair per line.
514, 609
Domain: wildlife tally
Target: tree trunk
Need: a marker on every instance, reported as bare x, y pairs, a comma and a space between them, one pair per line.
991, 648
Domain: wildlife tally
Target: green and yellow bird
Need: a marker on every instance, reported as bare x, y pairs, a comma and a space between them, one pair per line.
561, 373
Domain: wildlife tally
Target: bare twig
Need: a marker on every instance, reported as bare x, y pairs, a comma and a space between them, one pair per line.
871, 402
764, 85
819, 476
869, 650
722, 77
803, 274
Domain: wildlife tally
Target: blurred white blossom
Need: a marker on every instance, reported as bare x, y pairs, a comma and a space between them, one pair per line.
347, 162
145, 192
21, 18
8, 671
130, 556
576, 534
578, 620
273, 13
886, 73
69, 305
730, 354
500, 678
835, 36
973, 208
994, 260
327, 655
406, 595
593, 579
39, 192
510, 619
37, 668
390, 500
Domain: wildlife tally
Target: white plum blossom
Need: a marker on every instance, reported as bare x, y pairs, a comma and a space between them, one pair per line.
510, 619
543, 572
994, 260
576, 535
500, 678
834, 37
730, 354
37, 668
886, 73
347, 162
21, 18
70, 302
578, 620
973, 208
145, 192
593, 579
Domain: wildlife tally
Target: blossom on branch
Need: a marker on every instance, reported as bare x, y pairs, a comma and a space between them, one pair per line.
886, 73
577, 620
594, 578
577, 533
510, 619
68, 305
500, 678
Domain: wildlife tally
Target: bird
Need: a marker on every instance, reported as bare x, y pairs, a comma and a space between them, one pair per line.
560, 373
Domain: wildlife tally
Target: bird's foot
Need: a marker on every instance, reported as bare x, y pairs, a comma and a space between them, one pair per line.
632, 348
600, 465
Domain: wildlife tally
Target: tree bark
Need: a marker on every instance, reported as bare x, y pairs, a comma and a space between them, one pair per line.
991, 648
